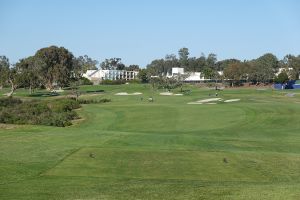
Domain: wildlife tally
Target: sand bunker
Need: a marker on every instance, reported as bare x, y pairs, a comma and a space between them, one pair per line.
169, 94
213, 101
194, 103
166, 93
127, 94
209, 100
231, 100
206, 101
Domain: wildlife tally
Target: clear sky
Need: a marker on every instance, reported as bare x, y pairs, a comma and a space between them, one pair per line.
139, 31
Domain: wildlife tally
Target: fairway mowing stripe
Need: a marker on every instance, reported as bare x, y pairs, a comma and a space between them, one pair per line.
171, 165
60, 161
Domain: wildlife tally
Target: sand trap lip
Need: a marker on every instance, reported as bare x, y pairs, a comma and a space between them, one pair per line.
128, 94
231, 100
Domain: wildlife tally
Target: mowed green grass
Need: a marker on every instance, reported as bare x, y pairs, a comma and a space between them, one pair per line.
133, 149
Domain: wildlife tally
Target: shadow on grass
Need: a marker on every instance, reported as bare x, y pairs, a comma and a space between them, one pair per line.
94, 91
83, 91
44, 94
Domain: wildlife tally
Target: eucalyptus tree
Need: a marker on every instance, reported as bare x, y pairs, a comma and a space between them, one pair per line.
112, 63
56, 66
29, 73
4, 69
183, 54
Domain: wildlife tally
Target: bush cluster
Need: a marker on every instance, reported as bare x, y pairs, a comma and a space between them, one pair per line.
58, 112
93, 101
5, 102
85, 81
113, 82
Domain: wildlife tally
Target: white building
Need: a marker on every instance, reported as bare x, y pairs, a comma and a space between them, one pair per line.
177, 71
287, 70
100, 74
195, 77
190, 76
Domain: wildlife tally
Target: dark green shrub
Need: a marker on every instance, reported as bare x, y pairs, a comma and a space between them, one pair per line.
93, 101
113, 82
85, 81
134, 81
9, 101
52, 113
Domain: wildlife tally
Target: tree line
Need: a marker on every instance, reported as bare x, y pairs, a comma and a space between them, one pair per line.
259, 70
57, 67
51, 67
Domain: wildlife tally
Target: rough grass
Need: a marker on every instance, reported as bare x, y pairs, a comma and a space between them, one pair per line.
132, 149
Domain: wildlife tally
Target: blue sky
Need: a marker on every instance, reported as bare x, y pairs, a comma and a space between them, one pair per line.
139, 31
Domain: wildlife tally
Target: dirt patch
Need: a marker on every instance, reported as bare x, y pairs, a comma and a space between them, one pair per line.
8, 126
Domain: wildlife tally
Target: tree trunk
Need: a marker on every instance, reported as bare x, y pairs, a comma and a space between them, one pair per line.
49, 86
12, 90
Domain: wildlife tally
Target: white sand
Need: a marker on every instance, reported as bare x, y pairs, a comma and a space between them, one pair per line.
213, 101
209, 100
231, 100
127, 94
122, 93
166, 93
170, 94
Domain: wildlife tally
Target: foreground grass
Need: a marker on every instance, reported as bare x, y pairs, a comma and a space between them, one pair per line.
133, 149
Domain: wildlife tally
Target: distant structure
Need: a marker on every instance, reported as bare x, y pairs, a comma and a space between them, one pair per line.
177, 71
287, 70
192, 77
100, 75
